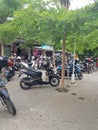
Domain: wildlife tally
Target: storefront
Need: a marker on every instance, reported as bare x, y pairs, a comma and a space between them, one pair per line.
42, 50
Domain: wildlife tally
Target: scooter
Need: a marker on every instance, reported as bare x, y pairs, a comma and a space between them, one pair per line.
69, 71
34, 77
5, 98
9, 72
86, 67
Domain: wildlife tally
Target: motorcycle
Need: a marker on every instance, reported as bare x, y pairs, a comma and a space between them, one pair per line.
69, 71
34, 77
5, 98
9, 72
86, 67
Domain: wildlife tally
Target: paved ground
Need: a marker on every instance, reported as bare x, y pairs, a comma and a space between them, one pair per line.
44, 108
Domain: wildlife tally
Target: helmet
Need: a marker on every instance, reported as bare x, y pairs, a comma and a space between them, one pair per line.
19, 58
44, 57
77, 60
14, 54
49, 58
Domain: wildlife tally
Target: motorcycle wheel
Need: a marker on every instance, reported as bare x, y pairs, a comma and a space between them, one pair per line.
24, 83
9, 105
80, 75
89, 69
54, 81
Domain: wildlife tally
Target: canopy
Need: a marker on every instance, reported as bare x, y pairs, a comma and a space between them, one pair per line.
46, 47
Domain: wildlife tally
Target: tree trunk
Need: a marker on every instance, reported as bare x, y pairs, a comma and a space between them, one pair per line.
62, 88
63, 63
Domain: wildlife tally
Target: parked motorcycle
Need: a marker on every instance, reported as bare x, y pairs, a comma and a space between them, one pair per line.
69, 71
88, 65
34, 77
9, 72
5, 98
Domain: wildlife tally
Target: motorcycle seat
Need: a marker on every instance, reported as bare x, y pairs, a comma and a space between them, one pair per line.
31, 71
34, 72
38, 72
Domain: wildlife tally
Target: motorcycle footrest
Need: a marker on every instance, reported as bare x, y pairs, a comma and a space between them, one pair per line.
45, 82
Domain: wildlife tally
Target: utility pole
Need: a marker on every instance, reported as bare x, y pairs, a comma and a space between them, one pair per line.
73, 74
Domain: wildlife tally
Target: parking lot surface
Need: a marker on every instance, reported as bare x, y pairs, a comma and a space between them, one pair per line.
44, 108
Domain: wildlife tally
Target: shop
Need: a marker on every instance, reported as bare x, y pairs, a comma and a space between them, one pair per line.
42, 50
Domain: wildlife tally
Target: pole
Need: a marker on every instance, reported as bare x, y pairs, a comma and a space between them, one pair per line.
73, 74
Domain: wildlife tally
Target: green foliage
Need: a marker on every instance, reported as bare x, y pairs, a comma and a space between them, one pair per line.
11, 4
42, 23
85, 29
7, 33
38, 25
7, 7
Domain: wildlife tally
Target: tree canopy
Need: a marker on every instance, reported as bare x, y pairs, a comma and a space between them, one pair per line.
41, 22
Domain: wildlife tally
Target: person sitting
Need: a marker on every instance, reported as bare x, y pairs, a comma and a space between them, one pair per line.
10, 62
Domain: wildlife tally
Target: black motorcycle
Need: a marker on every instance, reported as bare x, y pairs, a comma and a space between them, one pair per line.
5, 98
9, 72
34, 77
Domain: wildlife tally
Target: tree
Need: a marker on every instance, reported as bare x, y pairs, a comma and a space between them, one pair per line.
85, 28
7, 7
42, 23
65, 3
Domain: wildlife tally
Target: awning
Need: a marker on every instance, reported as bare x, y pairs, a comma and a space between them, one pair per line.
46, 47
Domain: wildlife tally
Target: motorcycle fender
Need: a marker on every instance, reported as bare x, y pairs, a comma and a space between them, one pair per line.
4, 92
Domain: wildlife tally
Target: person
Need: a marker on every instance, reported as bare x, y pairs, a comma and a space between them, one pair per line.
18, 52
76, 60
46, 63
18, 59
26, 56
13, 57
10, 62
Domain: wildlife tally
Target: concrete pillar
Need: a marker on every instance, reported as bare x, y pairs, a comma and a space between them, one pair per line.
2, 49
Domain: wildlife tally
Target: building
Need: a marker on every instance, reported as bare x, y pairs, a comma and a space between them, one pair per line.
42, 50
